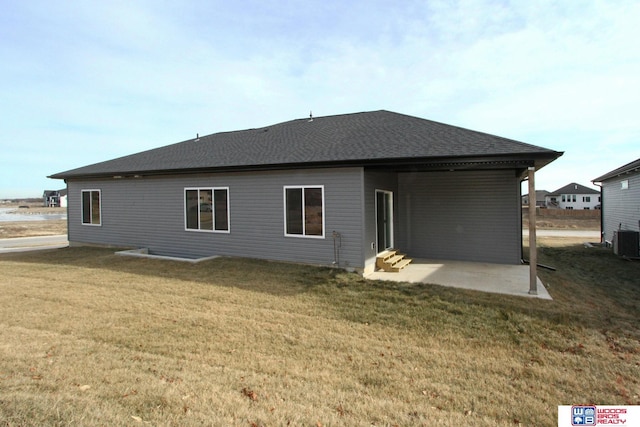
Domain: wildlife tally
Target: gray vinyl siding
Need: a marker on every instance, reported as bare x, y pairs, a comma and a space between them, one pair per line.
470, 216
620, 208
149, 212
376, 180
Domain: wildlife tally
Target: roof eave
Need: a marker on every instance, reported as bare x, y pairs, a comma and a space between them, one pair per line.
498, 161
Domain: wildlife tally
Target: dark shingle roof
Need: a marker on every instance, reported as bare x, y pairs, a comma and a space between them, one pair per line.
628, 168
362, 138
574, 188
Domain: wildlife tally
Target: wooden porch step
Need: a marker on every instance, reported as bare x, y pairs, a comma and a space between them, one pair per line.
391, 260
402, 264
385, 255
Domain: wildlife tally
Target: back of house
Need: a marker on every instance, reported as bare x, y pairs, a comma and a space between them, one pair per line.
335, 190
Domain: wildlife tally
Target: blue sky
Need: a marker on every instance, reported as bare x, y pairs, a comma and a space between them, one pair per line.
82, 82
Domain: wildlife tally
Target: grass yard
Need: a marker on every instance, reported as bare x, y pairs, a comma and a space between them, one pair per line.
89, 338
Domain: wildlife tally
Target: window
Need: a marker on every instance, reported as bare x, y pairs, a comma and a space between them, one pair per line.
624, 185
564, 198
207, 209
91, 207
573, 197
304, 211
586, 198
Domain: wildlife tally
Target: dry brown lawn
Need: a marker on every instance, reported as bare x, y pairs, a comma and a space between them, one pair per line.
89, 338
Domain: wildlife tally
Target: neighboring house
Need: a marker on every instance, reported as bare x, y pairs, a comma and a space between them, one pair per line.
333, 190
620, 199
573, 196
540, 198
55, 198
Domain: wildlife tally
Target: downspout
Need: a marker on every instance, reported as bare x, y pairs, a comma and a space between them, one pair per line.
601, 212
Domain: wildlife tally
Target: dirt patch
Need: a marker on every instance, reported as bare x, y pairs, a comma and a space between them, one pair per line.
31, 227
12, 229
566, 222
33, 209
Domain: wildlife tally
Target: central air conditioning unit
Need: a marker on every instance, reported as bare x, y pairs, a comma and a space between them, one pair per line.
626, 243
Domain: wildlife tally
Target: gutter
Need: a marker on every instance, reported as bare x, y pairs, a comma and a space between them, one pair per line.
502, 161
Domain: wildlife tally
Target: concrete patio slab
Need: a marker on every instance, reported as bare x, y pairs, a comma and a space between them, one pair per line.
485, 277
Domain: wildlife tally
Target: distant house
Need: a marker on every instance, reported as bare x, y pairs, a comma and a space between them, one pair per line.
334, 190
540, 198
573, 196
620, 199
55, 198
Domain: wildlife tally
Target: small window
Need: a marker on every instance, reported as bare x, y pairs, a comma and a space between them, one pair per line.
91, 214
573, 197
586, 198
207, 209
304, 211
624, 185
564, 198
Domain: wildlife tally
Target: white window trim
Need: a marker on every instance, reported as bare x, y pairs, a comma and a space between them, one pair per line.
90, 190
624, 184
284, 202
198, 230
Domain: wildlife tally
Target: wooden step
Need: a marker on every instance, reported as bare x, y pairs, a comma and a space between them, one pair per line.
394, 259
402, 264
391, 261
384, 255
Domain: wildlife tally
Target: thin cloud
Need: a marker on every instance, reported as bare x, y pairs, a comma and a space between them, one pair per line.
83, 83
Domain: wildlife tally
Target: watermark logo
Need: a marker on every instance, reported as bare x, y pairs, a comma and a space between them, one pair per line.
598, 415
583, 415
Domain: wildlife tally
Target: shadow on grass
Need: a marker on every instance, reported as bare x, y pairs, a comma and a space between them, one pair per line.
592, 288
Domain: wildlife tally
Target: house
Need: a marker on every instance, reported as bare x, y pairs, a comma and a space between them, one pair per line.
540, 198
55, 198
333, 190
573, 196
620, 199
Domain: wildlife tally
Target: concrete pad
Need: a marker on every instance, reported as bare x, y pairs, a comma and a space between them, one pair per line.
144, 253
477, 276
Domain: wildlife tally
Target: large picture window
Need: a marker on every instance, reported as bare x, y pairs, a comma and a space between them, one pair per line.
304, 211
91, 214
207, 209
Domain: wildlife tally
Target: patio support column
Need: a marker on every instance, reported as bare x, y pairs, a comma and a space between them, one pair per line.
533, 253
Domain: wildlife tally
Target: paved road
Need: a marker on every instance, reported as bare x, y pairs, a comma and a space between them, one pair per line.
587, 234
22, 244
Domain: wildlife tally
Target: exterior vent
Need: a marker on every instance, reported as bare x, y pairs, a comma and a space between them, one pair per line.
626, 243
